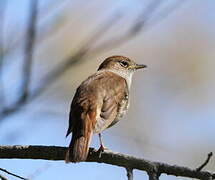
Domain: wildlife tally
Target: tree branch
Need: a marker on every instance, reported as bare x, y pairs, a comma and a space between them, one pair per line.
12, 174
206, 162
129, 173
3, 6
108, 157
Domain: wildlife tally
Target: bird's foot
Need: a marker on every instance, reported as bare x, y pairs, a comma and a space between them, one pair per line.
101, 150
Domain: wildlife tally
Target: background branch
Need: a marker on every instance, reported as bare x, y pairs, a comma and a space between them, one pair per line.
141, 22
85, 50
51, 76
3, 5
2, 177
154, 169
206, 162
12, 174
28, 54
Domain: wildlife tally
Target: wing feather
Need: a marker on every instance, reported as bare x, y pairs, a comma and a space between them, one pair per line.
99, 96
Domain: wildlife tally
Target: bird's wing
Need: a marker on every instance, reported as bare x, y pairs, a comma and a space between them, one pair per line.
82, 107
114, 90
99, 97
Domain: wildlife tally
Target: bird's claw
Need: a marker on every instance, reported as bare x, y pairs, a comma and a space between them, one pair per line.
101, 150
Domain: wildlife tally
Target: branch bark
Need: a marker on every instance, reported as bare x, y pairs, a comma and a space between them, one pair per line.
108, 157
153, 176
129, 173
206, 162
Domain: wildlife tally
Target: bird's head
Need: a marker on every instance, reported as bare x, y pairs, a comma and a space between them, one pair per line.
121, 64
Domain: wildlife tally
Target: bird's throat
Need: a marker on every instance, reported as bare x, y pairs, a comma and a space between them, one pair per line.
126, 75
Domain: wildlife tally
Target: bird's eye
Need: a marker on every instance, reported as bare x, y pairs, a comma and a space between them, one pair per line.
124, 64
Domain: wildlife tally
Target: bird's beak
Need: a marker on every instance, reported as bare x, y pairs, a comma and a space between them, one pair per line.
140, 66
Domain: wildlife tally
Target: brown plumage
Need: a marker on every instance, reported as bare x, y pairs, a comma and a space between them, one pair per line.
98, 104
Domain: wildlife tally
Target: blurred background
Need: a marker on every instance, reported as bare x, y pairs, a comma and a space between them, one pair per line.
47, 48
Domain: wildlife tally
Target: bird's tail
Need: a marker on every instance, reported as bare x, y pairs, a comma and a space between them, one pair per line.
78, 148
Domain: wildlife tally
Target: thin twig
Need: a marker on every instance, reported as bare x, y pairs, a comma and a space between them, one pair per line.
129, 173
28, 57
49, 27
39, 171
3, 178
29, 48
49, 8
142, 23
12, 174
135, 29
163, 14
206, 162
3, 5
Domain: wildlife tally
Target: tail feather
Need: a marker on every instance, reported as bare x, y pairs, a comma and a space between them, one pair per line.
78, 148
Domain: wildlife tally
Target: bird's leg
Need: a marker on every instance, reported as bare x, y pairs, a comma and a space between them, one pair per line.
102, 147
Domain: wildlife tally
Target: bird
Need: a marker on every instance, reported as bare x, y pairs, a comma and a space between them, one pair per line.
99, 103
